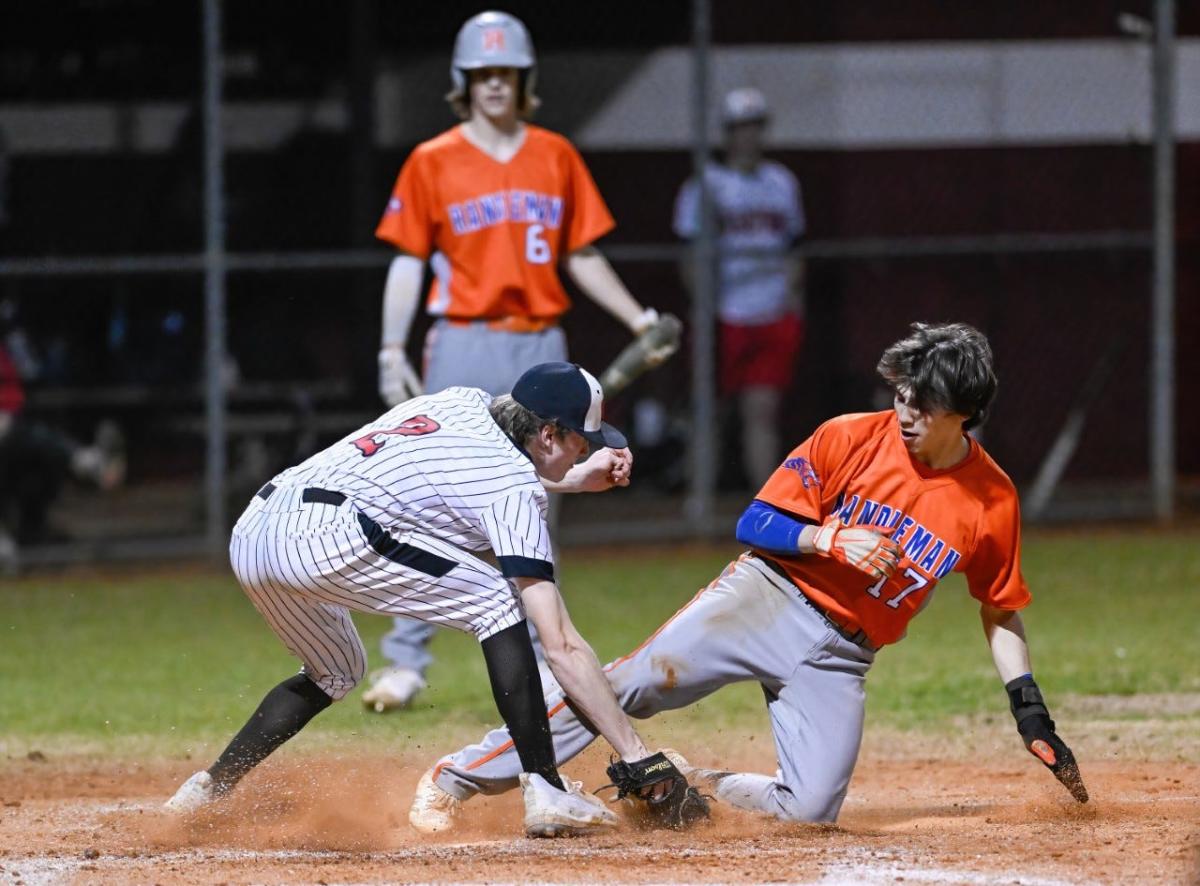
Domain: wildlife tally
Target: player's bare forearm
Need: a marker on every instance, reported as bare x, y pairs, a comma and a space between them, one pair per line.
1005, 634
401, 293
603, 470
577, 669
595, 276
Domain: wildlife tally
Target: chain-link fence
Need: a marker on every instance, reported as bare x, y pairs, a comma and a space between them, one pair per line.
994, 169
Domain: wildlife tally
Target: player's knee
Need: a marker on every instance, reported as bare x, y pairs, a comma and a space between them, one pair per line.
806, 805
340, 684
643, 699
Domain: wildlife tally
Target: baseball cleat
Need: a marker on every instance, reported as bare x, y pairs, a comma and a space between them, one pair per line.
195, 793
574, 812
392, 689
433, 810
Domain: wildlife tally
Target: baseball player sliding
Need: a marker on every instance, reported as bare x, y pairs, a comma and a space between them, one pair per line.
382, 521
494, 204
848, 539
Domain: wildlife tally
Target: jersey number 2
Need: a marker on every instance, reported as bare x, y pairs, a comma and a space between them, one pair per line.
918, 581
417, 426
537, 250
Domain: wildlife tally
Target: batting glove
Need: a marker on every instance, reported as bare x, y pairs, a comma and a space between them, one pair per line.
864, 549
398, 381
1037, 731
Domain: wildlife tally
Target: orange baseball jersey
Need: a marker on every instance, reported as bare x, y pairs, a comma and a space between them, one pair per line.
962, 519
496, 230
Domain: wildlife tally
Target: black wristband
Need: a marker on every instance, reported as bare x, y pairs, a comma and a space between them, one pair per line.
1025, 699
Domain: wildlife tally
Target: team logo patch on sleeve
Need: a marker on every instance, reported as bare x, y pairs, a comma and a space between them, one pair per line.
808, 474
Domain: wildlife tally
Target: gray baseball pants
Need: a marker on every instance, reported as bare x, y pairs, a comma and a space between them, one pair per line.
476, 357
749, 624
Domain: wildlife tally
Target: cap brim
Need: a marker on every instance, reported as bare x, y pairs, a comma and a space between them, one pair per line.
606, 436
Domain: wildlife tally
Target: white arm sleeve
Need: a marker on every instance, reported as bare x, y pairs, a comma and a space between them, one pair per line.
400, 296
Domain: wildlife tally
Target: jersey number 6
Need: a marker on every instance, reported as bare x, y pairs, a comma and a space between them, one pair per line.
537, 250
417, 426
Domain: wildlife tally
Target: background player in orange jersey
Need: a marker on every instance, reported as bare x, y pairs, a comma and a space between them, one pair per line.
495, 205
847, 540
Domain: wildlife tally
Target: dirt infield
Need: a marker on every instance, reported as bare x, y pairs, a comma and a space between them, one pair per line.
343, 820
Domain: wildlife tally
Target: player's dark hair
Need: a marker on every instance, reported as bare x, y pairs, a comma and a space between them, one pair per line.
944, 366
518, 422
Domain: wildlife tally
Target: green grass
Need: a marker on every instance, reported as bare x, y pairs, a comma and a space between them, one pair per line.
181, 661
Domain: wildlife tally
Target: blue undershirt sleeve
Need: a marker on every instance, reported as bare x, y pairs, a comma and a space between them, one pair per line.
767, 529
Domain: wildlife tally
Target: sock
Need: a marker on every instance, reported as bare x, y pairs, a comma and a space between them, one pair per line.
283, 712
517, 687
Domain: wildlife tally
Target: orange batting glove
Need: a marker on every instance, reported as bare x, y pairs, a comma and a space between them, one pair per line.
864, 549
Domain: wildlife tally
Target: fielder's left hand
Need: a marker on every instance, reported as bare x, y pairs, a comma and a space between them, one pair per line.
1037, 731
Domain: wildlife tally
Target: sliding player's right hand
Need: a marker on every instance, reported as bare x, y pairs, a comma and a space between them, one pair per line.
864, 549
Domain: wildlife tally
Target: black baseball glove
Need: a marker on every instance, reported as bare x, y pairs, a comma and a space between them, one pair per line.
677, 805
1037, 731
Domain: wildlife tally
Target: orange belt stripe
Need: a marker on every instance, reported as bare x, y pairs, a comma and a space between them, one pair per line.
513, 323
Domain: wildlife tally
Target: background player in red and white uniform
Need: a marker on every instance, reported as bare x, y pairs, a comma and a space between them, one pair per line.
495, 205
382, 522
848, 539
760, 300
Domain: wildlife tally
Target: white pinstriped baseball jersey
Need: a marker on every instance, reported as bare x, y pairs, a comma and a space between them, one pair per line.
441, 466
382, 521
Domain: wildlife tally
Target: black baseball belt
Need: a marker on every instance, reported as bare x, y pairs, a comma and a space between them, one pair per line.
380, 540
858, 637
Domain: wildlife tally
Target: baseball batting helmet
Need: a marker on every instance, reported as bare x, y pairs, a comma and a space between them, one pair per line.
745, 105
492, 40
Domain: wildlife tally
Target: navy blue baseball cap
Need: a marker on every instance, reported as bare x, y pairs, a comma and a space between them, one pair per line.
571, 396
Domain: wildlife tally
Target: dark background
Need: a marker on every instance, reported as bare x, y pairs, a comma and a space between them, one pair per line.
1050, 316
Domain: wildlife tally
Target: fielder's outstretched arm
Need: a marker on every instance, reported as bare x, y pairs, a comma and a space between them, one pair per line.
576, 667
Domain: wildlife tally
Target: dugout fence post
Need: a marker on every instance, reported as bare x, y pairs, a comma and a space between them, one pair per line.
214, 283
1162, 321
700, 505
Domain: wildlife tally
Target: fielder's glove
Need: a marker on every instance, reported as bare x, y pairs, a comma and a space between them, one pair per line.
398, 381
1037, 731
677, 806
864, 549
659, 336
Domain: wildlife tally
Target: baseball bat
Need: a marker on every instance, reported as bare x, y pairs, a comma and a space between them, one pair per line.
644, 352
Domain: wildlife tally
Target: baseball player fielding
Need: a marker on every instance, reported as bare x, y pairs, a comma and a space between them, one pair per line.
383, 522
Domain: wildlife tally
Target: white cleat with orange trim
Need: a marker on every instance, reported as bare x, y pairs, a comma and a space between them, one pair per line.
433, 810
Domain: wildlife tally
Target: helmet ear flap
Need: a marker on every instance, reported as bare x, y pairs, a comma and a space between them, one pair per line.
527, 100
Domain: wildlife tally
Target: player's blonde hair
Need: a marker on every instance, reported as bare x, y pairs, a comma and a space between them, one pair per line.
946, 366
519, 422
527, 102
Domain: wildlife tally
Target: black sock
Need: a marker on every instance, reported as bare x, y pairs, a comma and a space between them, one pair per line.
283, 712
517, 687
